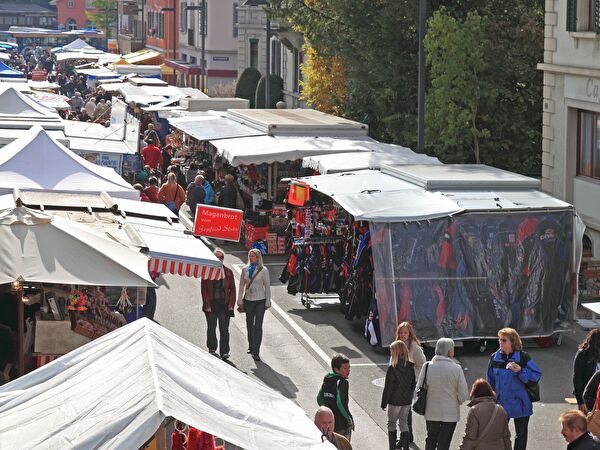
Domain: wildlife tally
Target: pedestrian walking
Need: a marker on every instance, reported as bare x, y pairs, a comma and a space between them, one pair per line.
406, 333
218, 302
585, 365
171, 194
325, 422
446, 391
487, 422
574, 430
254, 298
509, 370
335, 394
195, 194
398, 393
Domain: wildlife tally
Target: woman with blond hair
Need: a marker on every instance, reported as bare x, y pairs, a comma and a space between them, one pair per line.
254, 298
398, 392
406, 333
509, 371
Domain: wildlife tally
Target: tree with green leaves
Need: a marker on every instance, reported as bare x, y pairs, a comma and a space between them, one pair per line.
104, 16
460, 92
275, 88
247, 83
376, 42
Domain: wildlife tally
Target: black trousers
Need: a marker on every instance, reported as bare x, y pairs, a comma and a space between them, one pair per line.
222, 318
150, 306
439, 435
521, 425
255, 313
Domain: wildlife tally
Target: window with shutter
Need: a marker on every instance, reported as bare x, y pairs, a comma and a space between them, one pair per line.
596, 15
571, 15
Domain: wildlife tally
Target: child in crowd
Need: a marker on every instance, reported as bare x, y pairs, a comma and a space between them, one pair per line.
334, 394
400, 382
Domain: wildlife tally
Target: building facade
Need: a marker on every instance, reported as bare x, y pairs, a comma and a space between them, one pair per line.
161, 19
219, 46
72, 14
18, 13
571, 112
285, 46
132, 32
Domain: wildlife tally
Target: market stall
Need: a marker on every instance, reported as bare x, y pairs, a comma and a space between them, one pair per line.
41, 252
115, 392
38, 162
459, 250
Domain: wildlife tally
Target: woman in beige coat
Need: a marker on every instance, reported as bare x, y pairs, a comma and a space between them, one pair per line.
487, 422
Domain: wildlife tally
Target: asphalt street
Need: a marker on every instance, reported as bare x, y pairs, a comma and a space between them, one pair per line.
298, 343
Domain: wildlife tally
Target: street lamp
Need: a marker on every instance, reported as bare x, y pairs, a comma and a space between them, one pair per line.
421, 85
203, 23
172, 9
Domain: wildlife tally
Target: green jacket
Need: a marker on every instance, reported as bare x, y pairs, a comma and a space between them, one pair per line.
334, 394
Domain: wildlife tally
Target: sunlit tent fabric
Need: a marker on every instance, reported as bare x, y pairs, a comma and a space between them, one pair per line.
77, 45
386, 154
270, 149
114, 392
15, 105
39, 162
42, 248
8, 72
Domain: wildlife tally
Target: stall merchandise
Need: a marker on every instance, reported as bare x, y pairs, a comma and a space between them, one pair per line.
459, 251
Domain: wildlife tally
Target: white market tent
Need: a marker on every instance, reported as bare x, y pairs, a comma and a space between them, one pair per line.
413, 192
14, 104
386, 154
39, 162
270, 149
77, 45
209, 126
42, 248
114, 392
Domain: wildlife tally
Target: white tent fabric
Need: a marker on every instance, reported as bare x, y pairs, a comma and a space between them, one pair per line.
356, 182
14, 104
77, 45
269, 149
47, 249
397, 206
344, 162
114, 392
209, 127
39, 162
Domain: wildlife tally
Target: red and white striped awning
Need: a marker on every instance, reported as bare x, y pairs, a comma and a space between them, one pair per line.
43, 359
188, 269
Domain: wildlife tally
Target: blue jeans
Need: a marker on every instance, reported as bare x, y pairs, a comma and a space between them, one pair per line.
255, 312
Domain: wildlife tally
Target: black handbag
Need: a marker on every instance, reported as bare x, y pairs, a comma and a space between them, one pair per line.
420, 403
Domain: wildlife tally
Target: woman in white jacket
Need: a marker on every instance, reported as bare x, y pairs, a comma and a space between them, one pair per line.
446, 390
254, 298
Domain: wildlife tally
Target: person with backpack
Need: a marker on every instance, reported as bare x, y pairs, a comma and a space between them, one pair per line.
335, 394
513, 375
487, 422
400, 382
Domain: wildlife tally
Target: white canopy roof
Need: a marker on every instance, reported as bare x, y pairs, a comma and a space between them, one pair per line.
78, 55
210, 126
39, 162
384, 154
269, 149
114, 392
385, 197
16, 105
46, 249
77, 44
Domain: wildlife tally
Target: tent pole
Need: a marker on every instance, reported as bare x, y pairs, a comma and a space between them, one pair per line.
21, 330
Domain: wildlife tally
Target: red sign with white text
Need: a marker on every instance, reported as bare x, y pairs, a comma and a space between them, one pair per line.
218, 223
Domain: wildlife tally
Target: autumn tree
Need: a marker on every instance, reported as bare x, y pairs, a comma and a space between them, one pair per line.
324, 82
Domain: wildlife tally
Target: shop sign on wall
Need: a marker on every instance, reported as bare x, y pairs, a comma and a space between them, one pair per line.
218, 223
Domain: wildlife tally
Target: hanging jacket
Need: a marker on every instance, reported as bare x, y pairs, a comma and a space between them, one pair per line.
400, 382
510, 386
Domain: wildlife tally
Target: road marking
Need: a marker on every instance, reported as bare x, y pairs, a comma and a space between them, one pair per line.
380, 382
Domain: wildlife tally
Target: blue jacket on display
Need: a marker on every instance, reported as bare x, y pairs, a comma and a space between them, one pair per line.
510, 386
